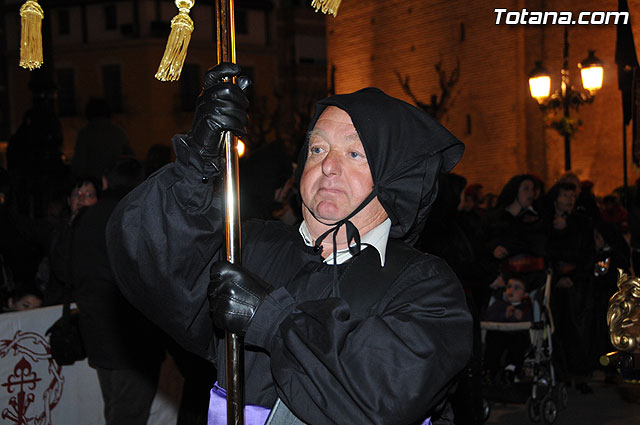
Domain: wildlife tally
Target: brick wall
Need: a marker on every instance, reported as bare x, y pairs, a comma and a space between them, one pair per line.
371, 41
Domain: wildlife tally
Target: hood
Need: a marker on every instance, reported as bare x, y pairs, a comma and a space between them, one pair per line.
406, 150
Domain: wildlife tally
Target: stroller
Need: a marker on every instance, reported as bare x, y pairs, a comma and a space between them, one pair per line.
537, 385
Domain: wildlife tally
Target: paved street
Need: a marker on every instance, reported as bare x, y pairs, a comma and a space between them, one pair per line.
610, 404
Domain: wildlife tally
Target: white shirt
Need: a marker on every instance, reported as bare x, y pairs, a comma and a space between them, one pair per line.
376, 237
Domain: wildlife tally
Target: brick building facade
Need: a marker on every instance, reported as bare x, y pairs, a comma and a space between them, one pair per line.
370, 43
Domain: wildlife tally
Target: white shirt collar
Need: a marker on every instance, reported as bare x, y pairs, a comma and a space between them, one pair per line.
376, 237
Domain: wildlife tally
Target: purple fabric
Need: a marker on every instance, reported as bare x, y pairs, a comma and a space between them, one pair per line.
253, 415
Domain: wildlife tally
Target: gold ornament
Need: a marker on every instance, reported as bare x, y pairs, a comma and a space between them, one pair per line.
176, 50
327, 6
31, 15
623, 316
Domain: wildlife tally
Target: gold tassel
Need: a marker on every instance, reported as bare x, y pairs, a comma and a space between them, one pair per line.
327, 6
31, 35
176, 50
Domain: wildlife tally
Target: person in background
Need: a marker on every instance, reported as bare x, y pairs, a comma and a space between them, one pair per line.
470, 215
513, 234
262, 174
573, 179
444, 224
570, 254
100, 143
513, 306
24, 297
613, 212
532, 213
23, 241
158, 156
612, 253
125, 349
586, 202
84, 193
55, 272
473, 198
490, 201
34, 153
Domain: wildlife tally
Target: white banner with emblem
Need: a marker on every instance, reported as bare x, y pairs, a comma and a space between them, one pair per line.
35, 390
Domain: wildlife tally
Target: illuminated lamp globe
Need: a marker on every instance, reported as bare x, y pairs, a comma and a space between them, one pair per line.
539, 82
592, 73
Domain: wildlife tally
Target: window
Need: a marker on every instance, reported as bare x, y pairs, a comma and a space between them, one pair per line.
110, 17
66, 92
64, 28
112, 85
190, 86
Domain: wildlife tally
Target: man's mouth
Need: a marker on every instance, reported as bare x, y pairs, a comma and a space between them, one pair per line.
329, 191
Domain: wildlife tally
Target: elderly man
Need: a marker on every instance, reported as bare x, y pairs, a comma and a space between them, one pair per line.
343, 321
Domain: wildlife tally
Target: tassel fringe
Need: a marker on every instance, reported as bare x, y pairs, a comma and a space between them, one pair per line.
176, 49
326, 6
31, 14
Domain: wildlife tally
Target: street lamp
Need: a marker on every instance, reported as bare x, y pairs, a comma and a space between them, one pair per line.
568, 96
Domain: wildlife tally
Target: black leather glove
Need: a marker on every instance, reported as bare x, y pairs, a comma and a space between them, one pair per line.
234, 296
222, 106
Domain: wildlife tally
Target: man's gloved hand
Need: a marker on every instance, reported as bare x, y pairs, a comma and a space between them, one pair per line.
234, 296
222, 106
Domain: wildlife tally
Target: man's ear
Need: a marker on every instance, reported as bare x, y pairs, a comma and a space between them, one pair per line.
10, 303
105, 183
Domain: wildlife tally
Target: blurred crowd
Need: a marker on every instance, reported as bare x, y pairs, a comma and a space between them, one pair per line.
501, 248
53, 251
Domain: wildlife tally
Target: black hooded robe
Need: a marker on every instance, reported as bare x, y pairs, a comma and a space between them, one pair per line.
390, 367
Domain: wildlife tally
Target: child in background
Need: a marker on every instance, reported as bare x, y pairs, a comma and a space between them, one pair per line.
513, 306
24, 297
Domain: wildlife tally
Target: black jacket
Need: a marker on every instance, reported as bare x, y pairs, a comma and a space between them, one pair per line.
302, 345
115, 334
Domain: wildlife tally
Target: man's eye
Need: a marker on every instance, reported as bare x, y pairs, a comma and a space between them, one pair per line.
355, 155
316, 150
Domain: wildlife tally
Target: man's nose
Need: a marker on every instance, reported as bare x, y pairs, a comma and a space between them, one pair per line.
331, 164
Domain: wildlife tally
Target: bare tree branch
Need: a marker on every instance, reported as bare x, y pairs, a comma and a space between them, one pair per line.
437, 106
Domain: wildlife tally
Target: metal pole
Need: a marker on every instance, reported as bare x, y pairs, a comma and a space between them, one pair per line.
565, 87
234, 349
234, 344
567, 152
625, 178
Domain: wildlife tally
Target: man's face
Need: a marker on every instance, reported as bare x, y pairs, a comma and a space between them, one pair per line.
336, 176
514, 293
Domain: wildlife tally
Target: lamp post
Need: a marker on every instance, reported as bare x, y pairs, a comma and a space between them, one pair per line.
567, 97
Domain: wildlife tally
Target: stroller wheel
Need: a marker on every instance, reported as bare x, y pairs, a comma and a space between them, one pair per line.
486, 409
562, 396
533, 408
549, 410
